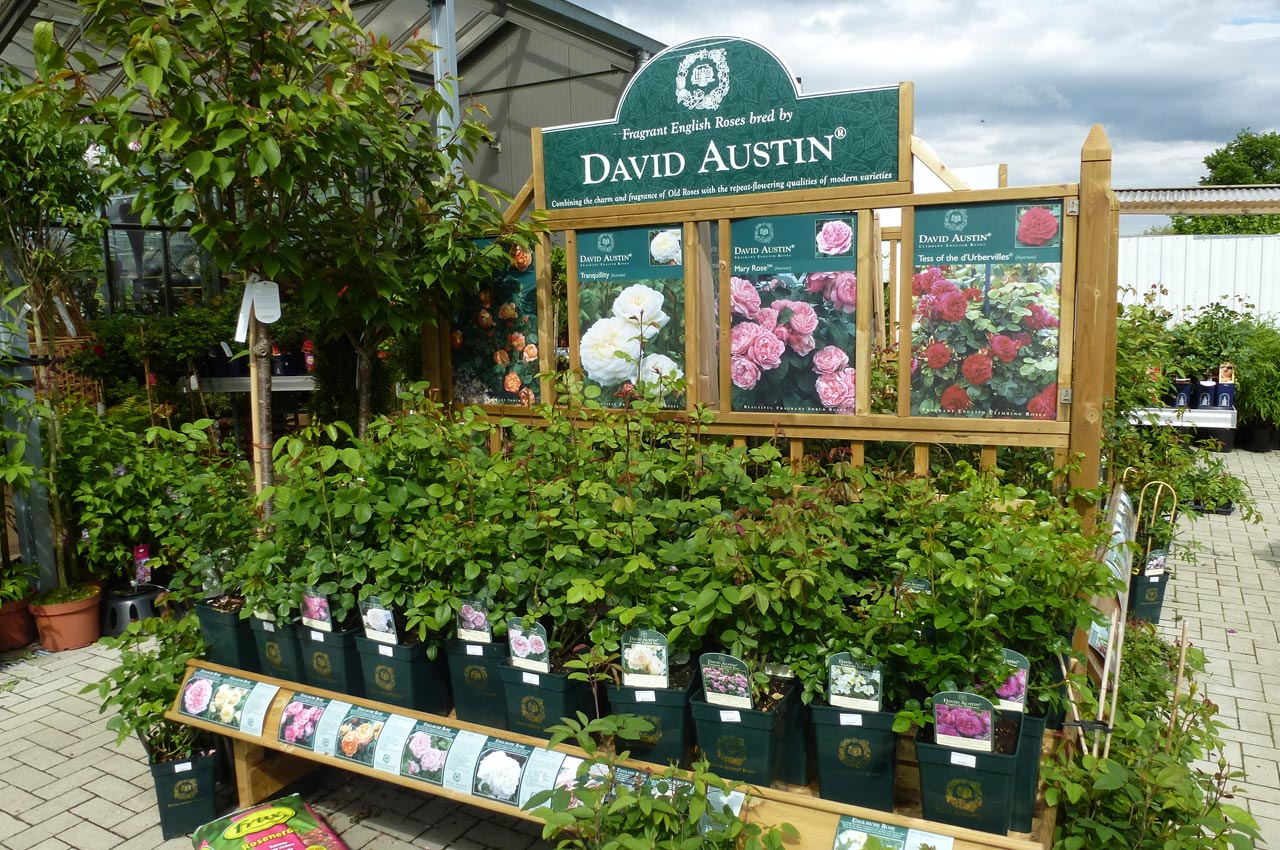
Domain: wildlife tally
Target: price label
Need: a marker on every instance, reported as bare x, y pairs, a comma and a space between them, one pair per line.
850, 719
317, 636
182, 768
730, 717
531, 679
475, 649
646, 696
964, 759
268, 626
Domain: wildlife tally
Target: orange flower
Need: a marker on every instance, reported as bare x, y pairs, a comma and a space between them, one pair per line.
501, 357
456, 339
350, 744
364, 733
526, 396
517, 341
485, 297
507, 311
530, 353
521, 258
512, 382
485, 319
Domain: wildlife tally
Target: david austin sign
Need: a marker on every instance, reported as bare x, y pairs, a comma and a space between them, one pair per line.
720, 117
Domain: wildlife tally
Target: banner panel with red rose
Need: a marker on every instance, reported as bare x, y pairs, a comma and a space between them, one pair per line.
987, 298
495, 337
793, 296
631, 312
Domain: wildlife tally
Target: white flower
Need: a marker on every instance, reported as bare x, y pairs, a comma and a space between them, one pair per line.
851, 839
643, 659
501, 773
641, 306
599, 348
665, 247
658, 369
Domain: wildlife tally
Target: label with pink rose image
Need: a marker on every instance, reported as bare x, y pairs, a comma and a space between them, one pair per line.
473, 621
300, 720
425, 752
1012, 692
725, 680
631, 312
226, 700
645, 659
986, 310
528, 645
315, 610
963, 721
793, 297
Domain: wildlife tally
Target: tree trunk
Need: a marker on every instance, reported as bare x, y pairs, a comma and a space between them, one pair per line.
262, 438
46, 393
364, 387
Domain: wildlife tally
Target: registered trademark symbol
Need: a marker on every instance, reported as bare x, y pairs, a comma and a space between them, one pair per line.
841, 132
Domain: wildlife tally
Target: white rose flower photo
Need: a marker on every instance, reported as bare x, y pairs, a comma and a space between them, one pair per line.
665, 248
498, 775
641, 305
610, 350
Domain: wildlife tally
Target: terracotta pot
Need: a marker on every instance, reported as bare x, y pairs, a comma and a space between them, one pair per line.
16, 626
69, 625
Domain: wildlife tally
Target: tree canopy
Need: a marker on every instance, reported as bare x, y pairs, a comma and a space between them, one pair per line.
1248, 158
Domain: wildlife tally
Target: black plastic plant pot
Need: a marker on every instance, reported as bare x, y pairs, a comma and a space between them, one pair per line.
536, 701
1027, 776
741, 743
404, 676
278, 652
967, 788
185, 794
1146, 597
478, 693
331, 661
856, 756
1253, 439
228, 638
668, 710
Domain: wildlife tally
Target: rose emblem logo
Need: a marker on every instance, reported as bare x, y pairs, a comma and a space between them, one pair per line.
731, 750
475, 676
855, 752
764, 232
186, 789
604, 242
964, 794
702, 80
956, 220
654, 736
384, 678
534, 710
321, 664
273, 653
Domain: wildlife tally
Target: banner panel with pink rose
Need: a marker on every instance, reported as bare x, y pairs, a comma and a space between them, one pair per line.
793, 297
987, 298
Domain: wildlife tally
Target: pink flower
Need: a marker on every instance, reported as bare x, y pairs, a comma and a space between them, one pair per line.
741, 336
767, 350
537, 645
197, 697
520, 646
820, 282
433, 759
1039, 319
767, 318
744, 372
802, 345
743, 298
927, 306
830, 360
941, 287
290, 733
835, 238
837, 390
1037, 227
844, 294
804, 320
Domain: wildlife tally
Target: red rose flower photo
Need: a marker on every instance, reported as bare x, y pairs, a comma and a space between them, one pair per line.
1037, 227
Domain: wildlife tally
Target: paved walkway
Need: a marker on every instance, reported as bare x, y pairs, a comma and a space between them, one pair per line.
1225, 599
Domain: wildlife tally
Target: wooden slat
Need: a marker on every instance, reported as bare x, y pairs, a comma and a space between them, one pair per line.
692, 329
878, 324
857, 453
520, 203
1067, 310
261, 773
921, 458
988, 457
725, 273
796, 450
1002, 180
546, 318
539, 183
906, 268
1112, 317
906, 132
867, 246
934, 163
571, 285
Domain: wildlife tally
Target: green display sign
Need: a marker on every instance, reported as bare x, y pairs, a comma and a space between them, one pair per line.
719, 117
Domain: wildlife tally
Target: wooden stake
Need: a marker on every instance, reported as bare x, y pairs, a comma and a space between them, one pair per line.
1177, 690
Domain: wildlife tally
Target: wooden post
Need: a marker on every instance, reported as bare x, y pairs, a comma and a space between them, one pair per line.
1095, 353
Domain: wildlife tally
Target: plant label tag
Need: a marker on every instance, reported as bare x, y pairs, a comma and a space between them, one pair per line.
963, 721
731, 717
182, 768
531, 678
475, 649
726, 680
645, 659
854, 683
266, 301
1012, 692
529, 647
964, 760
385, 650
242, 319
850, 719
646, 696
317, 636
473, 621
226, 349
268, 627
1154, 579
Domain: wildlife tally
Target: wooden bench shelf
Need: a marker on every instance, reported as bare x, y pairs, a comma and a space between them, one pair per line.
264, 765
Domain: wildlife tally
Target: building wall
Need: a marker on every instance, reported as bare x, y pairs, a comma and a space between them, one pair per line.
1201, 270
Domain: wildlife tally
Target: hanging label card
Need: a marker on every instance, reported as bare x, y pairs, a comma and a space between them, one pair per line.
425, 753
963, 720
315, 611
266, 301
460, 766
378, 620
216, 697
645, 659
646, 696
357, 737
391, 743
854, 684
725, 680
500, 769
540, 773
528, 644
242, 318
300, 720
1012, 692
473, 621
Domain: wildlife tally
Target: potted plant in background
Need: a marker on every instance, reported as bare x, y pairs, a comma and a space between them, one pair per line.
17, 628
153, 659
16, 577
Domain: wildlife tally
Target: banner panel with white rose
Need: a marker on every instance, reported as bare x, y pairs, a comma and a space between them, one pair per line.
631, 312
793, 298
987, 295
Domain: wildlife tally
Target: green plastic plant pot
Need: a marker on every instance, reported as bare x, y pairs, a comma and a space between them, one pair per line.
967, 788
1146, 597
855, 752
797, 745
741, 743
228, 638
478, 693
331, 661
185, 794
1027, 777
668, 710
278, 652
537, 701
403, 676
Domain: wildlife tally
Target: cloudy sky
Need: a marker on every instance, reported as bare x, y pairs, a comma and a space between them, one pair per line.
1022, 83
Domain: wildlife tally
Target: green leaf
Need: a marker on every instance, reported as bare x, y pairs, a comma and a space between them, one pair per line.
270, 151
198, 163
229, 137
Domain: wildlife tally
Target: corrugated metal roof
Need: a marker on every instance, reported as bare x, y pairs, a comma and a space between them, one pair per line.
1261, 198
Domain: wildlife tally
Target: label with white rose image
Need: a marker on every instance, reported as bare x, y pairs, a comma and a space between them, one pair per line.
379, 621
1012, 692
528, 645
460, 766
725, 680
499, 769
473, 621
645, 659
854, 833
854, 684
963, 720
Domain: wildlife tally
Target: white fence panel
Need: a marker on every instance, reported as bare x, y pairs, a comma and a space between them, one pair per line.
1201, 270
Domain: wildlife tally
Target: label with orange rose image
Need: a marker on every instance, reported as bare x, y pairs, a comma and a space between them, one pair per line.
358, 733
494, 336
